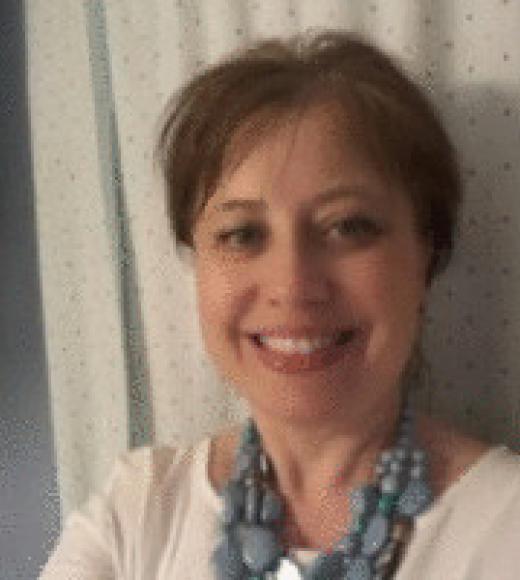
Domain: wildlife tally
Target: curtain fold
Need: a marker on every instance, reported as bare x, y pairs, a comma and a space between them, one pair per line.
83, 330
126, 361
112, 186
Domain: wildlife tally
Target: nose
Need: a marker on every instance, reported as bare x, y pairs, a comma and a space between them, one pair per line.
296, 275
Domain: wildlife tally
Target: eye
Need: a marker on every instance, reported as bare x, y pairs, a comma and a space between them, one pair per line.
357, 227
244, 236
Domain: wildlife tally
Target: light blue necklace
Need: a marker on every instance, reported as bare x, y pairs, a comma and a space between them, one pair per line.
249, 548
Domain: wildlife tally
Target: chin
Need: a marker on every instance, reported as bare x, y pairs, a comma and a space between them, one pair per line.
298, 401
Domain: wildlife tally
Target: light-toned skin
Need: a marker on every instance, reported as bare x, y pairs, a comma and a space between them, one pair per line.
303, 261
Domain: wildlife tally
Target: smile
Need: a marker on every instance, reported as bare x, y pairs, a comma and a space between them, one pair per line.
302, 345
302, 354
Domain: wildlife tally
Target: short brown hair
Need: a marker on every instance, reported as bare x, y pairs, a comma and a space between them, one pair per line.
401, 129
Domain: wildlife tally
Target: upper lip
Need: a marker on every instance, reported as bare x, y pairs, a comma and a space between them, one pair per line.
298, 332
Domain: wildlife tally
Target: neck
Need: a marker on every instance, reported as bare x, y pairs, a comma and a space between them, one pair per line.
313, 459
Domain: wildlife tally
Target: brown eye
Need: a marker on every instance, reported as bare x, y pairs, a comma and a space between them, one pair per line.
246, 236
354, 227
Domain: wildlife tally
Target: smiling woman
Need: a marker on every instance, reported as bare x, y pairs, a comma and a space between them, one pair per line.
293, 195
318, 193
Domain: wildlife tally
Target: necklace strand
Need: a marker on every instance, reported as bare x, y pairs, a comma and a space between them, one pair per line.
382, 516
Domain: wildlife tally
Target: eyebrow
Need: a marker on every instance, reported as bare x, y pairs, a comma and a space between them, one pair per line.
328, 196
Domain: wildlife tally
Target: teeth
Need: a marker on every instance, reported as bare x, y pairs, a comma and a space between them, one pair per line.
296, 345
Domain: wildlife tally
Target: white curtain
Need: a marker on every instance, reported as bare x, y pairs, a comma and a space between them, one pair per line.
125, 361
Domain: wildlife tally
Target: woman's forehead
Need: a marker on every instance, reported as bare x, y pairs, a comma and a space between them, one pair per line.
326, 124
308, 130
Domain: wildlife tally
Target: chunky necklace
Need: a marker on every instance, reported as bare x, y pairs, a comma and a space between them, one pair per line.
382, 512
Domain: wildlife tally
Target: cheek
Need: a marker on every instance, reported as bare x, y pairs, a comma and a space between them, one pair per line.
209, 298
217, 298
390, 284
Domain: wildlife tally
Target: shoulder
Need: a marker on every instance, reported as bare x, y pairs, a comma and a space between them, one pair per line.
143, 482
136, 476
476, 483
475, 521
484, 509
452, 453
152, 467
131, 514
151, 462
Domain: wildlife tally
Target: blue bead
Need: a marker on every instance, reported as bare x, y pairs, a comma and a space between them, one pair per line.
380, 469
363, 499
260, 549
252, 504
418, 471
243, 464
233, 496
359, 522
415, 499
359, 569
272, 509
250, 434
404, 441
419, 456
386, 456
386, 503
350, 543
390, 484
376, 534
327, 566
401, 454
396, 467
264, 465
252, 449
228, 560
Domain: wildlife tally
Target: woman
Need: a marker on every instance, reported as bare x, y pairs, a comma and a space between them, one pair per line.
318, 193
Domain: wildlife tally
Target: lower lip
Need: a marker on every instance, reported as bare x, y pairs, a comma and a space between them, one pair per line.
300, 363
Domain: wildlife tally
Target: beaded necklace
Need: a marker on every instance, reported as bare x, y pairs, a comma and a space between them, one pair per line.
382, 515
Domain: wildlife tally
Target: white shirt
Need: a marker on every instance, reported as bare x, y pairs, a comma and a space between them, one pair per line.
156, 519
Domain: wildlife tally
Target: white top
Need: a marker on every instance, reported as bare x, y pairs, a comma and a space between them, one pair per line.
157, 516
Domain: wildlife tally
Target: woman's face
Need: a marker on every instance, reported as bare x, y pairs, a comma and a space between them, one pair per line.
310, 274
